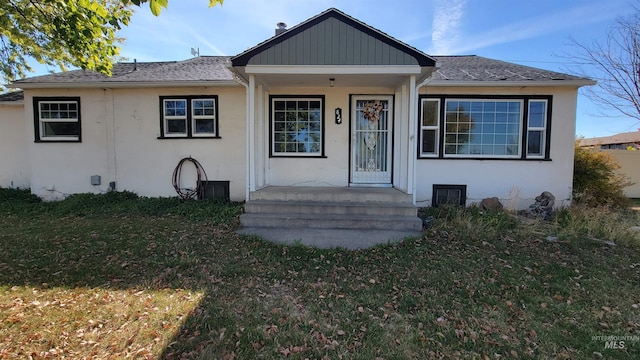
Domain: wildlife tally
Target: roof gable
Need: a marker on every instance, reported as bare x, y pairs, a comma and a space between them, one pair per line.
333, 38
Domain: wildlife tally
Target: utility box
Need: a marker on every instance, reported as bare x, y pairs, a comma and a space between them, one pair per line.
95, 180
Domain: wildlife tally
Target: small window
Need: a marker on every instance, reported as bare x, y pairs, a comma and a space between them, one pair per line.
429, 126
449, 195
57, 119
297, 126
537, 128
187, 117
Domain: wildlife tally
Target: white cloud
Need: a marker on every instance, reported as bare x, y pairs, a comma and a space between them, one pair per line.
447, 20
528, 28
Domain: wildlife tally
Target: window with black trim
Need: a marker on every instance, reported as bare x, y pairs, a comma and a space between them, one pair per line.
297, 126
189, 116
537, 128
493, 127
57, 118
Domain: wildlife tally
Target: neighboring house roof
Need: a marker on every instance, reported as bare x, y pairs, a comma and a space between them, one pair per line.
203, 69
622, 138
313, 42
473, 70
12, 97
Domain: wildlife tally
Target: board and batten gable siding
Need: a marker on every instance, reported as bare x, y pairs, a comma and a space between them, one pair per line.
332, 42
120, 130
515, 182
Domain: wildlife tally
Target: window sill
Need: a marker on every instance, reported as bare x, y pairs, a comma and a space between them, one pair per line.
482, 158
187, 137
298, 156
40, 141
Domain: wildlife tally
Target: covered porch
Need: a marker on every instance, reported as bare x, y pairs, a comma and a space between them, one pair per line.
331, 103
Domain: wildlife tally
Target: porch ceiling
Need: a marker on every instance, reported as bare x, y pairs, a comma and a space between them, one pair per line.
344, 76
343, 80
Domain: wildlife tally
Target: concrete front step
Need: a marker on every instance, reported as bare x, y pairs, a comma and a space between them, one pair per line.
330, 207
331, 194
330, 221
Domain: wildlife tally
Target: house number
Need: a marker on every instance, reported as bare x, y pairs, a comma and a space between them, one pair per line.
338, 116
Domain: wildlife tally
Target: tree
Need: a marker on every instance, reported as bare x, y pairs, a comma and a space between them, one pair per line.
64, 33
618, 60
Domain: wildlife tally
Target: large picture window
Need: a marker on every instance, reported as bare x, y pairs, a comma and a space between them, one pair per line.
57, 119
482, 128
187, 117
506, 128
297, 126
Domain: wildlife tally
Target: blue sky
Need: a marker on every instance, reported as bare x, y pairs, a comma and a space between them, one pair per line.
534, 33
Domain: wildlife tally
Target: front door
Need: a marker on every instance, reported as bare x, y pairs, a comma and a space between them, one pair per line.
371, 124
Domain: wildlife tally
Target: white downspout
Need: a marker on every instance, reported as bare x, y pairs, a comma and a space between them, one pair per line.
250, 114
413, 111
247, 147
413, 140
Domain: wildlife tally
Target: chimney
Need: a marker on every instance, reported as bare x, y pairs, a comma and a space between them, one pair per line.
282, 27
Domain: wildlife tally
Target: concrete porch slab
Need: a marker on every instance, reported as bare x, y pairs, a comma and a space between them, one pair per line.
351, 239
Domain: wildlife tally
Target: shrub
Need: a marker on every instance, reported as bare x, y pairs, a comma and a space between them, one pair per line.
21, 195
580, 223
596, 181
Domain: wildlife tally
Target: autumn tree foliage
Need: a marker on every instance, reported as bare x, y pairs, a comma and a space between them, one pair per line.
596, 181
64, 33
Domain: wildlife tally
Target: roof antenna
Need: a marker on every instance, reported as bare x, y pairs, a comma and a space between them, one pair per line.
195, 51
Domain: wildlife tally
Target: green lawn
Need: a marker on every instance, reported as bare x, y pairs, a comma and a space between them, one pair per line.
116, 276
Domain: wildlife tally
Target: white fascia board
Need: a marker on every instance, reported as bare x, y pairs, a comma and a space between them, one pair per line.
334, 70
548, 83
128, 84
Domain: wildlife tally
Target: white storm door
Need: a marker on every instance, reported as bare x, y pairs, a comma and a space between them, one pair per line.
371, 140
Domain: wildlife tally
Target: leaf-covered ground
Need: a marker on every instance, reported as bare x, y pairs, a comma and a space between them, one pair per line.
121, 277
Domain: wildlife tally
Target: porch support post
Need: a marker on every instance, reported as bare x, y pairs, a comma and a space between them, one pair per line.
260, 139
413, 111
251, 133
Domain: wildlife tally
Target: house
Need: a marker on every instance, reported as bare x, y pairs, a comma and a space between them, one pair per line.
621, 141
623, 148
331, 103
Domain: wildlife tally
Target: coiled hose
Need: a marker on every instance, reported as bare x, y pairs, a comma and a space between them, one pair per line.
201, 180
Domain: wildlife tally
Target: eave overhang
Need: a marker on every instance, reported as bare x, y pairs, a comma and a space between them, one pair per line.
122, 85
549, 83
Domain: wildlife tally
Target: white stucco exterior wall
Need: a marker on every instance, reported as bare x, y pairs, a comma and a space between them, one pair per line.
120, 130
515, 182
14, 166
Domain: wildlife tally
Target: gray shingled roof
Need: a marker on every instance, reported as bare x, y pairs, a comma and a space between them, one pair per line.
455, 69
12, 96
203, 68
473, 68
